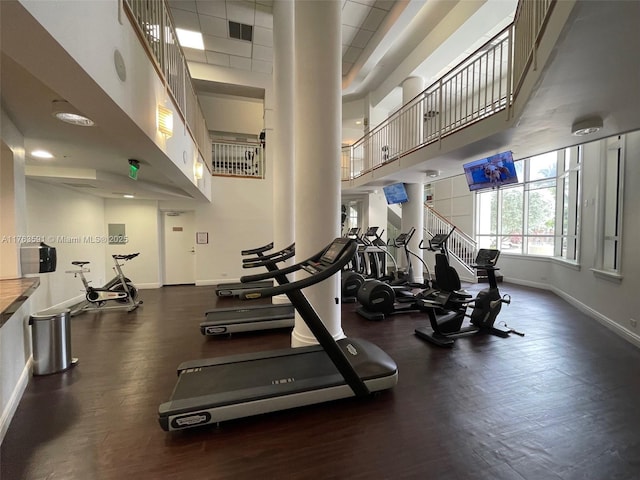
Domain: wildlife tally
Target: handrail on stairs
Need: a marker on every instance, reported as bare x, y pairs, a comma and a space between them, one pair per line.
460, 245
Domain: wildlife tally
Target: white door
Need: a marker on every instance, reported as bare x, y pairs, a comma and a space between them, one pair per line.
179, 248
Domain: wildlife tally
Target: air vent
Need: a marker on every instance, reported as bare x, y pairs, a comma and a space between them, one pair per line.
240, 31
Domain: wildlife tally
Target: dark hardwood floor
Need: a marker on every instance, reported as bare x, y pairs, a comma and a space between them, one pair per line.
562, 402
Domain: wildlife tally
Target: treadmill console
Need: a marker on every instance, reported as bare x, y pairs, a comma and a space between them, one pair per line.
334, 251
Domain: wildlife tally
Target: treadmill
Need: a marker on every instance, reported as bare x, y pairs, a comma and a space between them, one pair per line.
233, 289
213, 390
223, 321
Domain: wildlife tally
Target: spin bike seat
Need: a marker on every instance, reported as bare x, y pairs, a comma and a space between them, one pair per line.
126, 257
80, 264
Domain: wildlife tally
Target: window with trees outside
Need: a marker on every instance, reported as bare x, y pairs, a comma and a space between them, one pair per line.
539, 215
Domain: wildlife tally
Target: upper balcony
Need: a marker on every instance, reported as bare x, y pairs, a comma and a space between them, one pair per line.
521, 91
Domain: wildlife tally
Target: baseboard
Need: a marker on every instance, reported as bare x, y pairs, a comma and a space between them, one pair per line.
204, 283
147, 286
10, 410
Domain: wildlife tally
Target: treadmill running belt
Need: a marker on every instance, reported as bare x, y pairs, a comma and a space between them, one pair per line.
235, 377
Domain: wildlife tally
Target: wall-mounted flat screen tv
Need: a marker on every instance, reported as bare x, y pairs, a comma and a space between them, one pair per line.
491, 172
395, 193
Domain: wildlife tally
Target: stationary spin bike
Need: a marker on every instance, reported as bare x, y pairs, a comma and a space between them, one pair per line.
119, 293
446, 323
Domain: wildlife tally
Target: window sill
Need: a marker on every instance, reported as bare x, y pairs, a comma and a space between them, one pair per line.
572, 264
609, 276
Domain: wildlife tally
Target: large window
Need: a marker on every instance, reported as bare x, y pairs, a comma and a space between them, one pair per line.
539, 216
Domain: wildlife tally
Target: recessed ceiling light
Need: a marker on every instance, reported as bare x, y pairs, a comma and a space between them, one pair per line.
358, 122
65, 112
129, 195
190, 39
41, 154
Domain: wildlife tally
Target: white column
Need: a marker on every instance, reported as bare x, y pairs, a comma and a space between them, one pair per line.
318, 113
413, 211
413, 216
412, 121
283, 131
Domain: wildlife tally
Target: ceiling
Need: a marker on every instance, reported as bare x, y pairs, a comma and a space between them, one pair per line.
594, 69
361, 19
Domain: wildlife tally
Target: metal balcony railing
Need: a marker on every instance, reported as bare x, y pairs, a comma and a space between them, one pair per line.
238, 159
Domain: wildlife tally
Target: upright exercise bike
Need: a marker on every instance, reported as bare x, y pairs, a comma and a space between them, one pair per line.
119, 293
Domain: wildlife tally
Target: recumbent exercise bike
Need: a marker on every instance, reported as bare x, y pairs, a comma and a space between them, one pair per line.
447, 307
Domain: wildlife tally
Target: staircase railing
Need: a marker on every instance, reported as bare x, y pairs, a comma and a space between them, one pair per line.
484, 84
461, 246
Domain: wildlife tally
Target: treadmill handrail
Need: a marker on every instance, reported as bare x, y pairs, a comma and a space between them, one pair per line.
257, 250
286, 253
323, 272
286, 270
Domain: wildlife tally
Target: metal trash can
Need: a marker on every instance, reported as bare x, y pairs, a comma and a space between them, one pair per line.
51, 340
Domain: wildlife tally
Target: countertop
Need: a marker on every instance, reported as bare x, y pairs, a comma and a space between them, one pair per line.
13, 293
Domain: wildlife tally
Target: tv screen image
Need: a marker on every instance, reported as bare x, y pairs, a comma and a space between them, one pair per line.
491, 172
395, 193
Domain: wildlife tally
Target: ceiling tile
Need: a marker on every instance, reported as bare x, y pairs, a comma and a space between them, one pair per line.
260, 66
262, 53
240, 62
352, 54
227, 45
384, 4
242, 12
216, 58
348, 33
368, 3
214, 9
362, 38
354, 14
346, 67
189, 5
186, 20
194, 55
264, 16
214, 26
262, 36
374, 19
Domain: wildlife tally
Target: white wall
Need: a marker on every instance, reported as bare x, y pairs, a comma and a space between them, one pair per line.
142, 228
15, 338
240, 217
233, 114
74, 224
8, 250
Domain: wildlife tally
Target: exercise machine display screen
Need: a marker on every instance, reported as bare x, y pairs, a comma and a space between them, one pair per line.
333, 252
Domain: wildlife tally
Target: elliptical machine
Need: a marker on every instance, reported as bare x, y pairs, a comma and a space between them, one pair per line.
447, 324
379, 299
117, 294
351, 277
